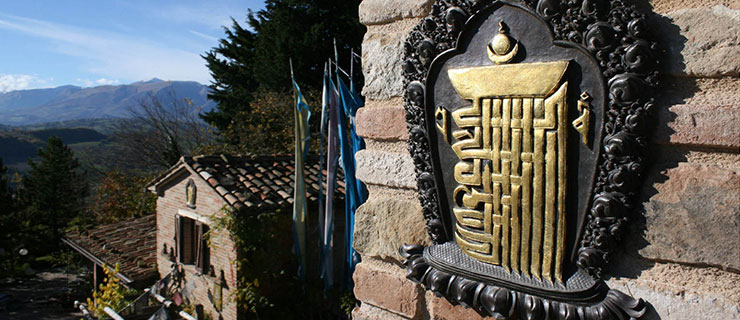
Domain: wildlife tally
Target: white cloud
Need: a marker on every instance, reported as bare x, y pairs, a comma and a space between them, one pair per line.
205, 36
104, 81
84, 82
10, 82
206, 14
99, 82
114, 55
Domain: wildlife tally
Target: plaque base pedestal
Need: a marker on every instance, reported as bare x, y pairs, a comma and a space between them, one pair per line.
448, 272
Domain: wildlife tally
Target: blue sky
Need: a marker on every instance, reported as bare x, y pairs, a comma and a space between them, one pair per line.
89, 43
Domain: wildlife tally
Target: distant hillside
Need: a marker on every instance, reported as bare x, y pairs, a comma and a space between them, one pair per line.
69, 136
102, 126
26, 107
17, 145
17, 149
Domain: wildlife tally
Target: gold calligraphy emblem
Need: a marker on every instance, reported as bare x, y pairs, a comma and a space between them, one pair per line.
442, 125
510, 201
581, 124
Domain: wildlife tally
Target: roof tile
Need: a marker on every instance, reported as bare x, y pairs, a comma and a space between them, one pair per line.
130, 244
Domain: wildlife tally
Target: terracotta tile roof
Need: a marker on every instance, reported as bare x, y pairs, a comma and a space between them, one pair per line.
132, 244
259, 181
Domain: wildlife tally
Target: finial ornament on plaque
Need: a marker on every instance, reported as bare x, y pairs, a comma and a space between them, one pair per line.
527, 128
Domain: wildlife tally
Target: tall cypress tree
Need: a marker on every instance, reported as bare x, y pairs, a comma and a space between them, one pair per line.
55, 191
257, 57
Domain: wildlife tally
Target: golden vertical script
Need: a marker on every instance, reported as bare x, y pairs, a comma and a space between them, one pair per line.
510, 201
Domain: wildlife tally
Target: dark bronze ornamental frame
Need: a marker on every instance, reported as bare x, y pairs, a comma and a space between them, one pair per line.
527, 127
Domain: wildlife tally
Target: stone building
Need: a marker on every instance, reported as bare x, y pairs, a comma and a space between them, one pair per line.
197, 189
682, 254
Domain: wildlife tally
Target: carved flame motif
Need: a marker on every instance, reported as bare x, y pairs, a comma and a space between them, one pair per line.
510, 201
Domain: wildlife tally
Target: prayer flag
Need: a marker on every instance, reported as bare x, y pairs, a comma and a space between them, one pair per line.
355, 191
302, 114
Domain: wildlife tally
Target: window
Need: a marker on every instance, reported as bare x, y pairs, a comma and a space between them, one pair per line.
192, 247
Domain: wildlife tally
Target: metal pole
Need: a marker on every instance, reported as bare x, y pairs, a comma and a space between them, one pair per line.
186, 316
112, 314
83, 308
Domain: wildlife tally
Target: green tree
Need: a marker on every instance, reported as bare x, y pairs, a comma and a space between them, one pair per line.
257, 56
110, 294
122, 196
55, 192
7, 210
268, 127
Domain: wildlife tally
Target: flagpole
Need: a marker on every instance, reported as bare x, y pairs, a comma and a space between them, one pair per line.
322, 213
352, 69
290, 61
332, 156
336, 56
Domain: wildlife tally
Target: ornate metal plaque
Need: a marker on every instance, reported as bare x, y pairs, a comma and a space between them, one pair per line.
526, 127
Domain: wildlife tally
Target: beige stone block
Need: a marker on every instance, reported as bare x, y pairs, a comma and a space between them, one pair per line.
383, 11
700, 42
382, 123
385, 286
382, 59
673, 278
382, 225
678, 304
700, 125
369, 312
666, 6
692, 215
698, 91
441, 309
400, 147
698, 112
386, 168
728, 160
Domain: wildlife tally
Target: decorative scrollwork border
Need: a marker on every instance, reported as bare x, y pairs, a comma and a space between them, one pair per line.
503, 303
616, 35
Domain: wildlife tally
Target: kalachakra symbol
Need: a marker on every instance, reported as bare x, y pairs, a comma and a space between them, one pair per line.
522, 132
511, 142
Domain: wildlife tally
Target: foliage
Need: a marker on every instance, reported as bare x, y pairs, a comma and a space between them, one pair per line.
6, 206
157, 135
262, 267
53, 195
347, 303
11, 263
268, 127
268, 286
258, 56
109, 294
13, 266
122, 196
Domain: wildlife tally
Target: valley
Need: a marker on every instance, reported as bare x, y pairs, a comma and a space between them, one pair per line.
86, 119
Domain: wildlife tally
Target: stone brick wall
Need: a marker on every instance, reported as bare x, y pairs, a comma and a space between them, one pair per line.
223, 257
683, 256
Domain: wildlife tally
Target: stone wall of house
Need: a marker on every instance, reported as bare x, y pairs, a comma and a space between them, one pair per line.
199, 287
683, 256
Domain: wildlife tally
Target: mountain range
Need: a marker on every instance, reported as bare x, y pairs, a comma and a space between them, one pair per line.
26, 107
